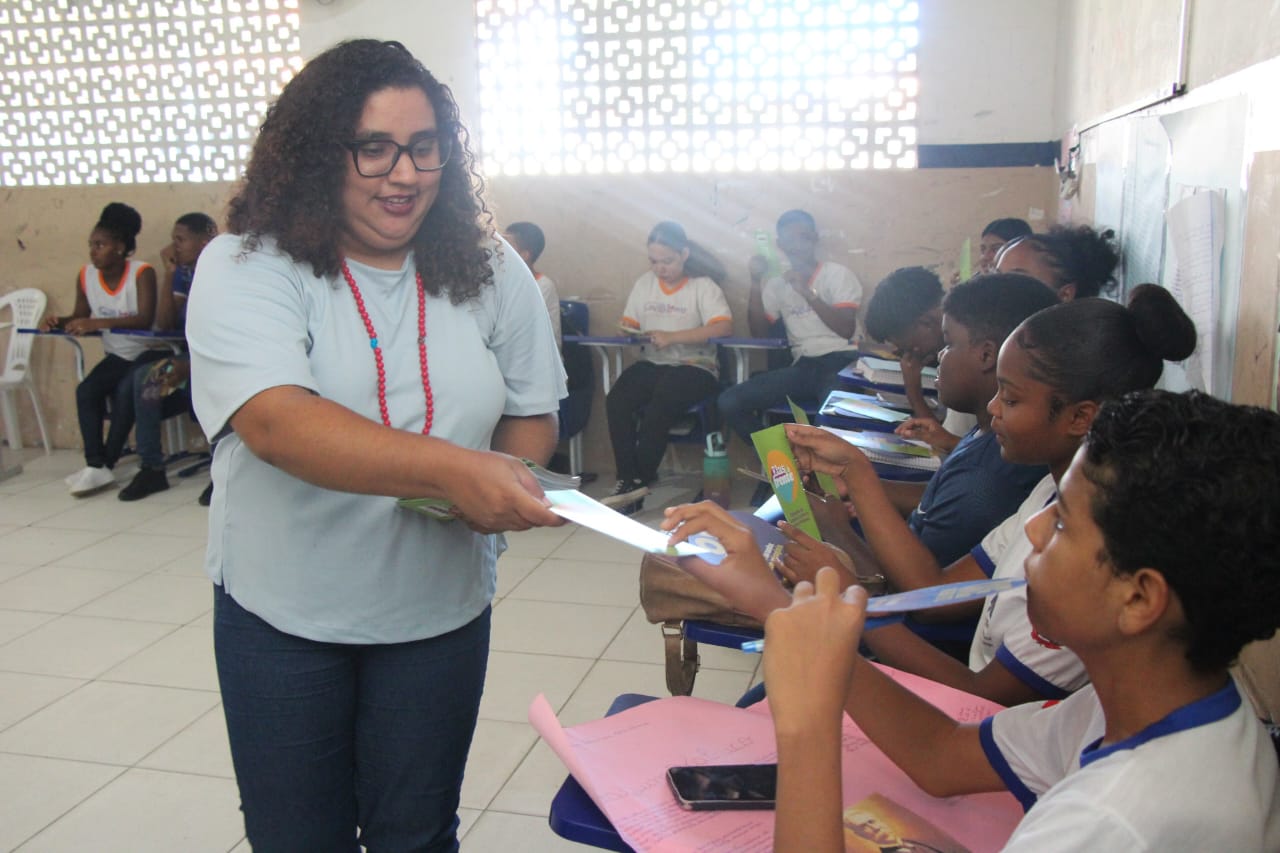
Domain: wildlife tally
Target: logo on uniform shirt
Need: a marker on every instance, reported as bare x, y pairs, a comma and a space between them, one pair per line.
1044, 641
664, 308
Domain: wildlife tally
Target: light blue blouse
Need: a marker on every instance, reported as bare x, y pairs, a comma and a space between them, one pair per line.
334, 566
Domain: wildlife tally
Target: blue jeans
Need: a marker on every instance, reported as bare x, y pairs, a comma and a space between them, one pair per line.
326, 737
806, 379
149, 415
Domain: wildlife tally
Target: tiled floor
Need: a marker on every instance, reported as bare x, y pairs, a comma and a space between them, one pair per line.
111, 732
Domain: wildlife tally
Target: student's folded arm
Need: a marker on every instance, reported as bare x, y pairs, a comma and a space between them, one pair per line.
757, 318
841, 320
943, 757
898, 647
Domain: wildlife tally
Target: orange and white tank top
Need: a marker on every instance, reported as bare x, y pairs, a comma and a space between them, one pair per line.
121, 302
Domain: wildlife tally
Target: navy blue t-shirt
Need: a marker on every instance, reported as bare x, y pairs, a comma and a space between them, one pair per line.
972, 492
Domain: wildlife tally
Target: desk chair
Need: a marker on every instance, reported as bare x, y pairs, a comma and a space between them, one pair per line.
27, 306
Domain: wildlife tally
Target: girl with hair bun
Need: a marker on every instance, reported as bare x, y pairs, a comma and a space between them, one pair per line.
1054, 372
113, 291
1075, 262
677, 307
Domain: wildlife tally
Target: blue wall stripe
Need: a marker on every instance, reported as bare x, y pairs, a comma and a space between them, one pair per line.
987, 155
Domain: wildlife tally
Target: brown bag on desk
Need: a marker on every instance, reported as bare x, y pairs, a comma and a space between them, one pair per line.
669, 596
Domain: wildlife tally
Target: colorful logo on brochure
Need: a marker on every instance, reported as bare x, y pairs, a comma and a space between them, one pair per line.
783, 475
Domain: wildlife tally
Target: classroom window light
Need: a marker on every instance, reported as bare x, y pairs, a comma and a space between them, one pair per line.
696, 85
138, 91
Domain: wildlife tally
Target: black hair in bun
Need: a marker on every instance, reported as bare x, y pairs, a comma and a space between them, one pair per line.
122, 222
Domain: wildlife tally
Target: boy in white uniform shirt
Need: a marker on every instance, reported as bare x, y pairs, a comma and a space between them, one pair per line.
1156, 565
818, 304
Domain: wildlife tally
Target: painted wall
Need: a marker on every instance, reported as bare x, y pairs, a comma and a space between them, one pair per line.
872, 221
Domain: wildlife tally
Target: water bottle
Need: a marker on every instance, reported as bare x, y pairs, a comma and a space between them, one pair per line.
764, 248
715, 471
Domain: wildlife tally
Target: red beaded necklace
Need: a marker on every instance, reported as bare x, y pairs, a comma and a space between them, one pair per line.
377, 350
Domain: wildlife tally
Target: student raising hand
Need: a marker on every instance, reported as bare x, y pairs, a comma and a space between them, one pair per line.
810, 652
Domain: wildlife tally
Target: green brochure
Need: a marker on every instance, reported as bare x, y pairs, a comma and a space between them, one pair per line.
784, 476
966, 259
825, 481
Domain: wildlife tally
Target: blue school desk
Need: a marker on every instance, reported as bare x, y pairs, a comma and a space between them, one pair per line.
574, 816
173, 340
855, 381
829, 416
742, 348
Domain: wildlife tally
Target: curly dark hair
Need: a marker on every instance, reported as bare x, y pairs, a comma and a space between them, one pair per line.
1187, 485
900, 299
992, 306
292, 186
1078, 255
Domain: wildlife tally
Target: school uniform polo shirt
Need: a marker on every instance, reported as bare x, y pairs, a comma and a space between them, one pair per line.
809, 336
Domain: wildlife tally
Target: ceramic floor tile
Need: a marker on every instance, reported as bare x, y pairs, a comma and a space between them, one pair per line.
185, 520
538, 542
153, 598
97, 515
25, 694
201, 748
15, 623
501, 831
58, 589
533, 784
34, 792
466, 819
512, 570
135, 553
582, 581
496, 751
8, 571
595, 547
23, 509
554, 628
190, 564
35, 546
641, 642
609, 679
184, 658
514, 679
78, 646
148, 811
109, 723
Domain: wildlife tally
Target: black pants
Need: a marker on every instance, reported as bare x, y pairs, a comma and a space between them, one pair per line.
109, 379
646, 401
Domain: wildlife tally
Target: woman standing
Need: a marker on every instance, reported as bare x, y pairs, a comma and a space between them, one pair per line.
357, 337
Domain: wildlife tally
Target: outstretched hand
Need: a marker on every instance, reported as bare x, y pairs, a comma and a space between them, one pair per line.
818, 450
495, 493
742, 577
929, 431
810, 650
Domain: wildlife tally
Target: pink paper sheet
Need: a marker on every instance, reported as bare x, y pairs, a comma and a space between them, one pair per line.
621, 761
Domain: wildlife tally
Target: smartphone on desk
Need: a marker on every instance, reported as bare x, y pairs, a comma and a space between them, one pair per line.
725, 786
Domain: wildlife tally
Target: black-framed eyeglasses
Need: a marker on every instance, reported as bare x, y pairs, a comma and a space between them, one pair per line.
377, 157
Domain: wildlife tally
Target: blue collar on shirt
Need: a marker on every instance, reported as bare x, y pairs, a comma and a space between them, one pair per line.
1210, 709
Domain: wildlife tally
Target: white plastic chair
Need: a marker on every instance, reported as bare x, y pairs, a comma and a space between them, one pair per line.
27, 306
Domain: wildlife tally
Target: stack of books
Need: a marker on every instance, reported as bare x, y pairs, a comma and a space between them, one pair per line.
880, 371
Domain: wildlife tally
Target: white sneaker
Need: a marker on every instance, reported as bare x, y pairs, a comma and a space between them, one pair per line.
91, 480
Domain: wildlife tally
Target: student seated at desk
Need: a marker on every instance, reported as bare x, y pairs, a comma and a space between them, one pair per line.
112, 292
906, 312
975, 488
677, 306
1075, 262
818, 303
1156, 565
994, 237
161, 389
1054, 372
529, 242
